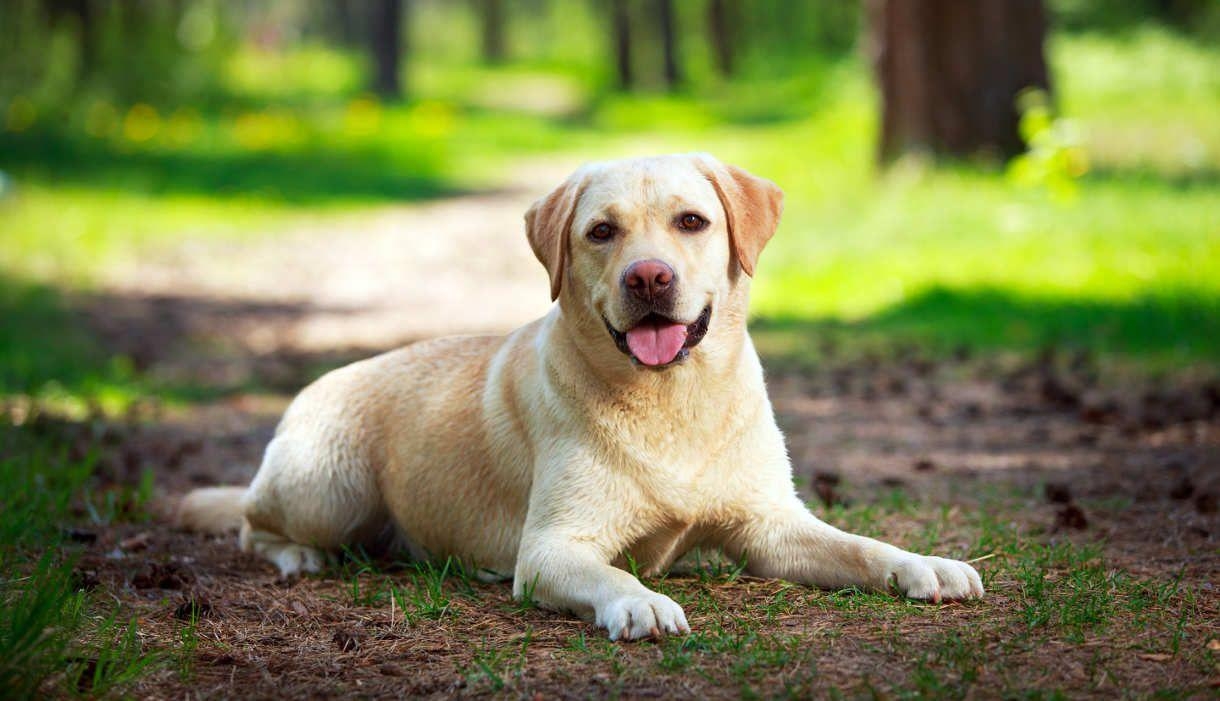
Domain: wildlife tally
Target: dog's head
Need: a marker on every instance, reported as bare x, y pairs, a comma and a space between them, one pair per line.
655, 249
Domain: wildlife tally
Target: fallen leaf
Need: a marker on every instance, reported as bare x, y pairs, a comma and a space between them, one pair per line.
136, 542
1156, 656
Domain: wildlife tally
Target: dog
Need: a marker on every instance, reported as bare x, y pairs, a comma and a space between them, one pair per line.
630, 424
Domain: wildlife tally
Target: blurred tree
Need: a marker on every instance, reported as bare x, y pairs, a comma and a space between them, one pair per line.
1198, 17
949, 73
669, 43
340, 21
385, 42
492, 17
649, 16
722, 16
81, 14
622, 43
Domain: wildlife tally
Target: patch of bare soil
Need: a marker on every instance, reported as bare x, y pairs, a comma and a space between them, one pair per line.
1040, 448
1144, 491
372, 279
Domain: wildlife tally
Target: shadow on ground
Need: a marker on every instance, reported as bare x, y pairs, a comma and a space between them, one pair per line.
1165, 328
180, 348
1178, 177
197, 347
966, 453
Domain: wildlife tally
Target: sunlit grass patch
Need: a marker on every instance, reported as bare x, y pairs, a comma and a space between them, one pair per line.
1145, 98
952, 255
68, 234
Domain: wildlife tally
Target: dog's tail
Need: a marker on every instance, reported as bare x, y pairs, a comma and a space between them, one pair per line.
216, 510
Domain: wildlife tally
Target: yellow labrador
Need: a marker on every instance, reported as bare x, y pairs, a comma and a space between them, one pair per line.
630, 421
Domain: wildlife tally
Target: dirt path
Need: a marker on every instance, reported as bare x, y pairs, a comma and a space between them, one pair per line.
928, 453
457, 265
277, 309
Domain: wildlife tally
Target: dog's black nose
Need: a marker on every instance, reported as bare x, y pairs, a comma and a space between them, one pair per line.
650, 280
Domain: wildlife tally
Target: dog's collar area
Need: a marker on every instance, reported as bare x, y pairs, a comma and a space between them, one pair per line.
694, 334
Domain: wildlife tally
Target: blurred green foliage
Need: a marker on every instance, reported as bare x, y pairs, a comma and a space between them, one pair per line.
267, 122
1055, 158
1196, 18
146, 123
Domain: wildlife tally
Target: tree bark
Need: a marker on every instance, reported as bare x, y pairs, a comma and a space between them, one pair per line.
669, 43
81, 14
622, 43
720, 16
343, 22
385, 43
949, 73
492, 16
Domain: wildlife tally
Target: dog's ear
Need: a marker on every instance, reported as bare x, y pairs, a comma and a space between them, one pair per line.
752, 204
547, 224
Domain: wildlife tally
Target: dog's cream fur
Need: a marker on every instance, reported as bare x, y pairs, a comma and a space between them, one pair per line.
548, 455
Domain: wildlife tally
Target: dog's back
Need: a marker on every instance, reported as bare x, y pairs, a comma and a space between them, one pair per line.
372, 427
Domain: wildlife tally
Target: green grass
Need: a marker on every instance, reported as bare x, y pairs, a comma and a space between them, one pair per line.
1056, 593
49, 360
55, 635
944, 257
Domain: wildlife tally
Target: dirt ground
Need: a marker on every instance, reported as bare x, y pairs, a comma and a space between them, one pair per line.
913, 449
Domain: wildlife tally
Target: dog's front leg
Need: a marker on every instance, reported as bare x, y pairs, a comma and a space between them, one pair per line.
786, 541
568, 542
564, 574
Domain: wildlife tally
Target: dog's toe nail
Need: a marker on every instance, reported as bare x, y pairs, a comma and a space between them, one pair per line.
654, 632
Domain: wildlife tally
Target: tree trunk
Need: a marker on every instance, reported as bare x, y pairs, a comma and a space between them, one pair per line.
81, 14
385, 43
343, 22
669, 43
949, 73
721, 14
492, 15
622, 43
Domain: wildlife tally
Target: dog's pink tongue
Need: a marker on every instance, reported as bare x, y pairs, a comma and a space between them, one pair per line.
656, 343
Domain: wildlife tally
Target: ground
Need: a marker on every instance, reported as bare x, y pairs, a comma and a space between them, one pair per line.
1086, 498
1019, 367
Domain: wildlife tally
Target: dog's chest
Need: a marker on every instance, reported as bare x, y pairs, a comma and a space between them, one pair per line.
656, 552
672, 480
680, 430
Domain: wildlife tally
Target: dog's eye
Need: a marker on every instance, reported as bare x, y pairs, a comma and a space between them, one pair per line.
602, 232
691, 222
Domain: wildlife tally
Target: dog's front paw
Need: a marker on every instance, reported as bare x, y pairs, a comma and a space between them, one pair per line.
933, 578
646, 615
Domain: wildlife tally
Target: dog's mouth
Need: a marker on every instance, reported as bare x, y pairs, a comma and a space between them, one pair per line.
657, 341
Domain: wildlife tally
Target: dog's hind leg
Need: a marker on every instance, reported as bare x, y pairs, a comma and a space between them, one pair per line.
313, 495
291, 558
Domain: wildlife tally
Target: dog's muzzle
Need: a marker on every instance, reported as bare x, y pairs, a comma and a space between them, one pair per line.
657, 342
